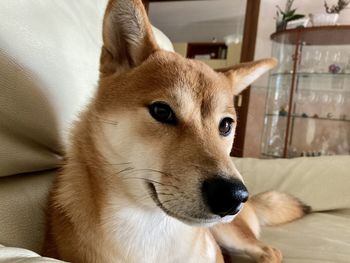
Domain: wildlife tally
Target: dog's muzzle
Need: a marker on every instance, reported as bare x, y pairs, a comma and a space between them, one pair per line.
224, 196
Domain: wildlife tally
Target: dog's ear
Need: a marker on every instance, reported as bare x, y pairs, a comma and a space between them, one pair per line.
244, 74
127, 36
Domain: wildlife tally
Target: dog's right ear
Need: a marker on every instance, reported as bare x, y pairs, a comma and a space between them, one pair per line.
244, 74
127, 36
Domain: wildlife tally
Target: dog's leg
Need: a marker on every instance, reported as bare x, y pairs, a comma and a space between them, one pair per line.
241, 236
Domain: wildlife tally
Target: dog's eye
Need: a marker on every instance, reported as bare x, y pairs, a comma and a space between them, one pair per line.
225, 126
162, 113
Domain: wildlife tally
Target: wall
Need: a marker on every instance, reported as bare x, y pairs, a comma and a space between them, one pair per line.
233, 55
266, 26
180, 48
198, 21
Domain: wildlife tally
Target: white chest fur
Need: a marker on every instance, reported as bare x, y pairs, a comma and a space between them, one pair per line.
151, 236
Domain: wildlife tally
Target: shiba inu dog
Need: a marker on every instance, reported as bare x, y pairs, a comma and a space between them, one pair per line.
148, 176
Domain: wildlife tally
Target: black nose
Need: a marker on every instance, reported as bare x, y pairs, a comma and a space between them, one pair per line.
224, 196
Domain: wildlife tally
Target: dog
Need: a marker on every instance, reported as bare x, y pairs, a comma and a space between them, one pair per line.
147, 174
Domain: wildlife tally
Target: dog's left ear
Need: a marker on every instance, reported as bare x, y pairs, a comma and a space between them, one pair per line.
244, 74
127, 36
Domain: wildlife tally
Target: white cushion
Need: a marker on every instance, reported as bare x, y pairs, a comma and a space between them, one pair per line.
321, 182
49, 59
20, 255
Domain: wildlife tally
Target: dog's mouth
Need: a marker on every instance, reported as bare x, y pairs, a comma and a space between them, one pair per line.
155, 198
191, 220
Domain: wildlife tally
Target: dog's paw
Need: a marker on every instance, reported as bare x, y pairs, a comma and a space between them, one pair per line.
270, 255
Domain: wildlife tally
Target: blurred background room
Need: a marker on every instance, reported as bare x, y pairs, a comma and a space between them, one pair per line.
313, 48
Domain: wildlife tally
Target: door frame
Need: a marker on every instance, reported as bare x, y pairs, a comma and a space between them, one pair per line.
247, 54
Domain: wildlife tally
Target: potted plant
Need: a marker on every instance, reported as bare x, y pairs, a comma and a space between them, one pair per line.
286, 15
331, 16
336, 9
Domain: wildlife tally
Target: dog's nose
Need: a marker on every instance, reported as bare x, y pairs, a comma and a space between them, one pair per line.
224, 196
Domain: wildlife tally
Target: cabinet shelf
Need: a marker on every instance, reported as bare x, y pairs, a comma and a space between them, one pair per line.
312, 154
270, 155
316, 100
307, 118
318, 35
309, 75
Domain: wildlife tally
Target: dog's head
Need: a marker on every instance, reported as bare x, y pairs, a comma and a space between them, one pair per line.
167, 123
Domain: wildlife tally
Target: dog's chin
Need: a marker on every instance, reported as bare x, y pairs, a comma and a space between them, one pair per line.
206, 220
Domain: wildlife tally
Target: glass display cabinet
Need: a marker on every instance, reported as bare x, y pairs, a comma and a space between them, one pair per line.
308, 100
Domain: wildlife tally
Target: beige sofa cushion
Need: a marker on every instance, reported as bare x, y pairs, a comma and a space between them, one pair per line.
49, 59
322, 182
20, 255
22, 209
320, 237
49, 53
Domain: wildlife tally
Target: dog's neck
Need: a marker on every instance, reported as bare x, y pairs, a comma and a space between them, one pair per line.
141, 234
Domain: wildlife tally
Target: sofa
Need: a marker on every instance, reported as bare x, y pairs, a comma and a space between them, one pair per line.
49, 54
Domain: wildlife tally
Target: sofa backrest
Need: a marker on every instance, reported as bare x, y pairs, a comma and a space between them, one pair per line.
49, 58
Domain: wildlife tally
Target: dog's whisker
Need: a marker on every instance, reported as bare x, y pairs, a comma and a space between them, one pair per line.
196, 166
167, 201
154, 170
149, 180
160, 193
100, 119
171, 208
108, 122
125, 170
117, 164
158, 171
143, 198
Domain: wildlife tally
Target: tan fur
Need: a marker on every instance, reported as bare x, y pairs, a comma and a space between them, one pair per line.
101, 207
286, 208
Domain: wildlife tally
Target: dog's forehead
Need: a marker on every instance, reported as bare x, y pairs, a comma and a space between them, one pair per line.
191, 82
189, 85
193, 72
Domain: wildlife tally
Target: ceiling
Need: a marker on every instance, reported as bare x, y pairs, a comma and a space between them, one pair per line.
199, 21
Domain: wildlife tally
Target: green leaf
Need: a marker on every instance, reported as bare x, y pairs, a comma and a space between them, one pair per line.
295, 17
292, 11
